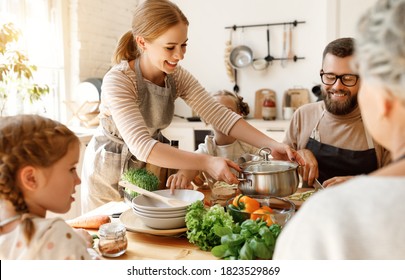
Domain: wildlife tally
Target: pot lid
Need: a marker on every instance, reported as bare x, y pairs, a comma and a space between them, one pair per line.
266, 167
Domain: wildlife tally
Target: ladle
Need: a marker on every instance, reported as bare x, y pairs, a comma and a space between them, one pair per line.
167, 200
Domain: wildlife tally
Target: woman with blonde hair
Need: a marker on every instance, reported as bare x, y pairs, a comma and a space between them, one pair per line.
137, 102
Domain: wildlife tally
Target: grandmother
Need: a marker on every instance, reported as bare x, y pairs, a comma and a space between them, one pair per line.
363, 218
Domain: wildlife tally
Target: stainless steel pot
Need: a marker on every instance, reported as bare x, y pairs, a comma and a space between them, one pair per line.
272, 177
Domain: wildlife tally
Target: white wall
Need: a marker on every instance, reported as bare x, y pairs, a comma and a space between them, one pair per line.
207, 36
98, 24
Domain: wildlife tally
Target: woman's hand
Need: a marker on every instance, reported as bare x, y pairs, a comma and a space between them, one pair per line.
283, 151
218, 168
309, 171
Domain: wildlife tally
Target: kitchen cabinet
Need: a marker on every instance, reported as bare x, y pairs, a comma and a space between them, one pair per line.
184, 131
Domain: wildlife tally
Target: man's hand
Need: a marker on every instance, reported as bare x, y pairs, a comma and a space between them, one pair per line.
336, 180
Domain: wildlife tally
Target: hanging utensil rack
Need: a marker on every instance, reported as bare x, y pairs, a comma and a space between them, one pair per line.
291, 23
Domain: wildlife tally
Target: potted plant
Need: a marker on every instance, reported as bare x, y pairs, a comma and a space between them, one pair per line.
16, 71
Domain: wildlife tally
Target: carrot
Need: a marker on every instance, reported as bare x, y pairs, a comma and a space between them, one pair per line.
90, 222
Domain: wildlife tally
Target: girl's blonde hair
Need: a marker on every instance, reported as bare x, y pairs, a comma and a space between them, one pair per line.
29, 140
242, 107
151, 19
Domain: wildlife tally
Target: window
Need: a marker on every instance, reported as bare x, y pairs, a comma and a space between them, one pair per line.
41, 24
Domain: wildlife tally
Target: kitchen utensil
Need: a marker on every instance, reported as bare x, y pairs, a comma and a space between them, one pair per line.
268, 58
236, 87
274, 177
167, 200
317, 185
283, 209
296, 97
284, 55
146, 203
290, 54
261, 64
241, 57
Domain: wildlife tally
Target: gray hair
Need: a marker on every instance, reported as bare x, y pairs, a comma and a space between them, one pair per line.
380, 46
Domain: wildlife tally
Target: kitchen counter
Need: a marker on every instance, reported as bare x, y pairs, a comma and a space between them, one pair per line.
258, 123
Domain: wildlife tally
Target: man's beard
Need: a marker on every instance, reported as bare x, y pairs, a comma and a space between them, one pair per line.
339, 108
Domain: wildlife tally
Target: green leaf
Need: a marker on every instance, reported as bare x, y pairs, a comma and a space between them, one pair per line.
246, 252
221, 230
232, 240
260, 249
221, 251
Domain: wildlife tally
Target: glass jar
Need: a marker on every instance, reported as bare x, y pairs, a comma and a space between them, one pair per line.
113, 241
269, 110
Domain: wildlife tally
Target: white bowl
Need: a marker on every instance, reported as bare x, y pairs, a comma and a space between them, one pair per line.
160, 214
163, 223
146, 203
157, 212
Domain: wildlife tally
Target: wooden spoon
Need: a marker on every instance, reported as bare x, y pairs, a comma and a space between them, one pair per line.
290, 54
167, 200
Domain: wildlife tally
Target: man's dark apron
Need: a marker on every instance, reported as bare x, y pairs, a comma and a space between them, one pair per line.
334, 161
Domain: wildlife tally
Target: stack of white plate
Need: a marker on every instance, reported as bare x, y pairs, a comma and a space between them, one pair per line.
158, 215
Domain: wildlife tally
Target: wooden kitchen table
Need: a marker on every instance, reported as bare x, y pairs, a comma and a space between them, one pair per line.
143, 246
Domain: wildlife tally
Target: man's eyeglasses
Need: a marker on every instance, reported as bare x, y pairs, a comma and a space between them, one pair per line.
348, 80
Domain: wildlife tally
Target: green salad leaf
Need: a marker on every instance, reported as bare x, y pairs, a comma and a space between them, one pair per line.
202, 225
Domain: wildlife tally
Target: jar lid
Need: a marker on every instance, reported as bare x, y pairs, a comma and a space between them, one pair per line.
111, 229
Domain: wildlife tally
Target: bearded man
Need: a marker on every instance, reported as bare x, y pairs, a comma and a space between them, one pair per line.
330, 133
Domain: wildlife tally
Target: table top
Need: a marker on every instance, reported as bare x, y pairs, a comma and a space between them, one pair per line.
144, 246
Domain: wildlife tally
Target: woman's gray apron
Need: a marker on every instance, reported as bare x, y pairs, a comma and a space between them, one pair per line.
334, 161
107, 153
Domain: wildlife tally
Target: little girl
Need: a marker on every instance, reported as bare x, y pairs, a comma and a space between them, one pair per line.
219, 144
38, 158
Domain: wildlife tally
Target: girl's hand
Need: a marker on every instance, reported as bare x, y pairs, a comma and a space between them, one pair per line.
181, 180
86, 236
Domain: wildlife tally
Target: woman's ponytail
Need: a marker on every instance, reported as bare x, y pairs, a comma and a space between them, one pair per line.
126, 49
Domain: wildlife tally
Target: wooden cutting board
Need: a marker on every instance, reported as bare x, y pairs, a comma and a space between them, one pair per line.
295, 97
259, 98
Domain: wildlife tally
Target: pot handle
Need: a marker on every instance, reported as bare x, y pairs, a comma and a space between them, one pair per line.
245, 180
266, 152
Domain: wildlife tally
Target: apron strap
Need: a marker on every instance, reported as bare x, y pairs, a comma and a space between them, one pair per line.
370, 141
315, 132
